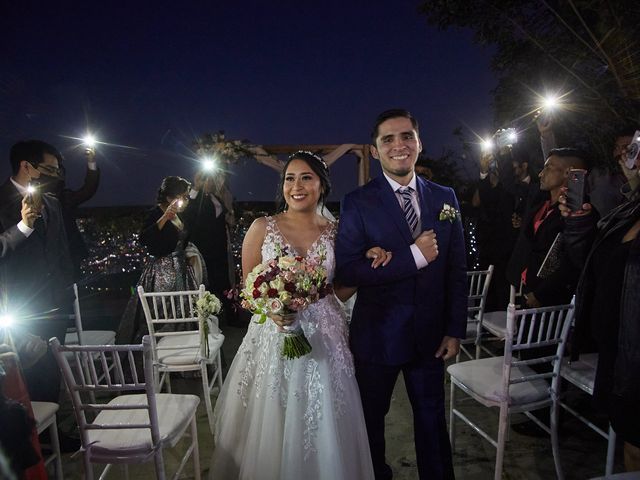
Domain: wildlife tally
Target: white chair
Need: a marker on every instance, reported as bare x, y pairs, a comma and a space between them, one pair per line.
510, 384
131, 428
493, 325
479, 282
44, 414
182, 350
80, 336
620, 476
582, 374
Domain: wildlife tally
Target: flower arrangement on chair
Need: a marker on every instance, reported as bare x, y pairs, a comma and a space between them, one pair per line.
206, 306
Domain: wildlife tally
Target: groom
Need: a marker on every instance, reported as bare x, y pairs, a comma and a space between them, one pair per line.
410, 314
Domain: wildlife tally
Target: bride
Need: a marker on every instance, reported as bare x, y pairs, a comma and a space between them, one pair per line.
294, 419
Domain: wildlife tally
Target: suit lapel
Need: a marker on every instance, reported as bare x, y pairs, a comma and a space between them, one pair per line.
390, 205
426, 207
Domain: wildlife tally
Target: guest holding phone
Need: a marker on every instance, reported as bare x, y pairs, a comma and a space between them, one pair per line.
175, 263
608, 304
540, 228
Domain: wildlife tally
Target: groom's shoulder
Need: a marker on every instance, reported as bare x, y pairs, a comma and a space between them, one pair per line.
437, 189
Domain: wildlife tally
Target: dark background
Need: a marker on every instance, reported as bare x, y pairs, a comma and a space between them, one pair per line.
153, 76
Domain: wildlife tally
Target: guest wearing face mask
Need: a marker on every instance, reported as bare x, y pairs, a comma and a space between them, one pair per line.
35, 276
53, 182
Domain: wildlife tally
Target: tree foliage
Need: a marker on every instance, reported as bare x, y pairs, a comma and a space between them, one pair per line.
586, 50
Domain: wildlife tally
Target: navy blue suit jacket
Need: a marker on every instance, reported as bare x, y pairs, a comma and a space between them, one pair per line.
401, 312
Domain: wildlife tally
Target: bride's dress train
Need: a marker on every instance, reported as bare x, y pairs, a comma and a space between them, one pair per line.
301, 419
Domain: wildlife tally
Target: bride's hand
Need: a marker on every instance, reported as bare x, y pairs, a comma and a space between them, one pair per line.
282, 321
379, 255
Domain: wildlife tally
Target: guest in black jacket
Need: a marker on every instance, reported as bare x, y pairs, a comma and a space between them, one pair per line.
175, 264
540, 226
608, 306
208, 218
35, 273
54, 182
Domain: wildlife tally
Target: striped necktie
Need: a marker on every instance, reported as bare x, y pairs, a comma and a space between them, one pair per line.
407, 207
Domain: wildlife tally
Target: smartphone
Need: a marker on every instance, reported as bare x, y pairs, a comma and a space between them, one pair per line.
506, 137
576, 189
34, 198
632, 151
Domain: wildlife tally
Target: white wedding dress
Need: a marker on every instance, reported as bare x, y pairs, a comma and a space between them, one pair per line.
299, 419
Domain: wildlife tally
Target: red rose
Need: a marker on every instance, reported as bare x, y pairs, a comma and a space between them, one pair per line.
272, 293
256, 293
290, 287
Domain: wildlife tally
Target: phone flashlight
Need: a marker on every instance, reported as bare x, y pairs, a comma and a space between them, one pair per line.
208, 165
6, 320
486, 145
89, 140
633, 150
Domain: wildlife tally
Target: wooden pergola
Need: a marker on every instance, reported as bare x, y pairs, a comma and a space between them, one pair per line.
362, 160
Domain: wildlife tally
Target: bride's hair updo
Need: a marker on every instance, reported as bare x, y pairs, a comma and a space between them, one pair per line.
319, 167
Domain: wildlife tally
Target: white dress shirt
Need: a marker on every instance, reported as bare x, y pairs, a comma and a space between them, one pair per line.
418, 257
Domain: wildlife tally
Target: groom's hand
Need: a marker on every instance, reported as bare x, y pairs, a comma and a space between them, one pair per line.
428, 245
449, 348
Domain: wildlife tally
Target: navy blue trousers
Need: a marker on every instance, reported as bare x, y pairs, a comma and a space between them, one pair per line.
424, 380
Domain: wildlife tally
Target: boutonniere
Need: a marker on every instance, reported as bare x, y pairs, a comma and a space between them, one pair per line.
449, 213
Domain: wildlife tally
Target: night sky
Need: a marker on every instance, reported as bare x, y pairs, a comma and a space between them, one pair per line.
153, 77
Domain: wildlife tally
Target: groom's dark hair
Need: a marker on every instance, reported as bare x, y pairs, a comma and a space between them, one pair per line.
392, 113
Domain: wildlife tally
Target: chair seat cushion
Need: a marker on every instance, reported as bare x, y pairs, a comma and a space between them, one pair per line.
185, 349
91, 337
581, 373
174, 415
496, 323
43, 411
484, 378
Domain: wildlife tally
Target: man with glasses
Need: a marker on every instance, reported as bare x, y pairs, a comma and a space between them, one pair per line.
52, 180
35, 276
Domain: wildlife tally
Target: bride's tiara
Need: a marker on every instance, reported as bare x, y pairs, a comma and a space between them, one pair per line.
305, 154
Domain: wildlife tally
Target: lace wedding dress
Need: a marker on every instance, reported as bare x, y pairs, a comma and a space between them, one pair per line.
301, 419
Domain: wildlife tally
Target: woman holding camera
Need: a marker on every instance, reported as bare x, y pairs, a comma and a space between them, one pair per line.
608, 306
175, 264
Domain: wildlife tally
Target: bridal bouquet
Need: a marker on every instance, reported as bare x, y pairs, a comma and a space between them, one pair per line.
206, 306
284, 286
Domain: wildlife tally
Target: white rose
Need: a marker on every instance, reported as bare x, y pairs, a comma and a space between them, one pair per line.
274, 305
